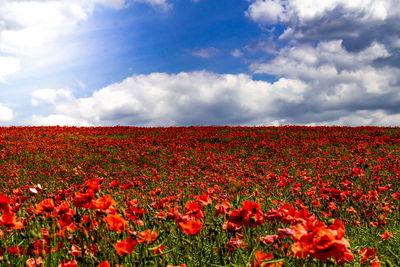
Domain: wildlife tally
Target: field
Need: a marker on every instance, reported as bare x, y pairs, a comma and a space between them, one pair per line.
199, 196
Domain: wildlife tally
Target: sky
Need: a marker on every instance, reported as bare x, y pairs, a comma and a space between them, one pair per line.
199, 62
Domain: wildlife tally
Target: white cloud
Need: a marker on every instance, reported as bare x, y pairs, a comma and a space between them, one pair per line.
50, 96
58, 119
301, 11
192, 98
265, 12
236, 53
358, 23
318, 85
363, 117
338, 83
6, 113
28, 25
208, 52
8, 66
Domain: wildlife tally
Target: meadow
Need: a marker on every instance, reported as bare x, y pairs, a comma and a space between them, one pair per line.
199, 196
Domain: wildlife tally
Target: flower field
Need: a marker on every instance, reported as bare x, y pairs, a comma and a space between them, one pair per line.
199, 196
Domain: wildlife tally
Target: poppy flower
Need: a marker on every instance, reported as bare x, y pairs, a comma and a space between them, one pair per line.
369, 255
68, 263
75, 251
191, 227
32, 262
9, 220
93, 185
62, 209
194, 209
83, 200
204, 199
4, 203
268, 239
147, 236
103, 203
222, 208
115, 222
314, 238
386, 235
45, 206
125, 246
235, 243
261, 257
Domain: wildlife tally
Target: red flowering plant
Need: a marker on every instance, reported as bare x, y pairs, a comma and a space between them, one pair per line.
111, 196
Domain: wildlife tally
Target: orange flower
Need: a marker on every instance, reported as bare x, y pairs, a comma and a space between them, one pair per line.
386, 235
115, 222
45, 206
261, 257
147, 236
191, 227
103, 203
9, 220
204, 199
314, 238
104, 264
125, 246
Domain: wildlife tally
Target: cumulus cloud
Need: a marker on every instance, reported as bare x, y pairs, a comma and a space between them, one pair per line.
50, 96
338, 83
28, 25
206, 53
8, 66
6, 113
318, 85
358, 23
187, 98
346, 53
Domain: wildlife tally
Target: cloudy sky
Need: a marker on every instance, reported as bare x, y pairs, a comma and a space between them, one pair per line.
199, 62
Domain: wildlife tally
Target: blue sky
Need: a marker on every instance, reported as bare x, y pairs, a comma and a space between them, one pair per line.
204, 62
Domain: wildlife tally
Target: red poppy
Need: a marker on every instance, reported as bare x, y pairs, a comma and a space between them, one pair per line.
386, 235
268, 239
68, 263
222, 208
261, 258
45, 206
125, 246
9, 220
191, 227
103, 203
75, 251
314, 238
83, 200
115, 222
4, 203
194, 209
147, 236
